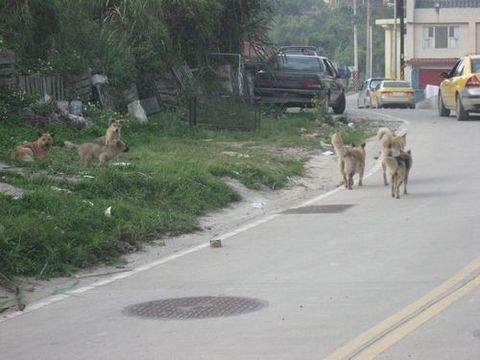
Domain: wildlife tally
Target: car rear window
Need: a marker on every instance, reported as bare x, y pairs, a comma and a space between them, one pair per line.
397, 84
310, 64
476, 65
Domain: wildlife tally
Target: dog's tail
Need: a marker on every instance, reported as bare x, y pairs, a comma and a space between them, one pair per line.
384, 132
337, 143
70, 145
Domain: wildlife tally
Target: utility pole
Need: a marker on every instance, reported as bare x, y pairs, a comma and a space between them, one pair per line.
401, 14
355, 46
395, 37
368, 47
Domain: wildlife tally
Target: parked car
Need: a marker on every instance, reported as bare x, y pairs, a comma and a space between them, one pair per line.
394, 93
365, 94
294, 80
460, 89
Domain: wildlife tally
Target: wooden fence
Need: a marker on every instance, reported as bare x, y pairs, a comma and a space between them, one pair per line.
53, 86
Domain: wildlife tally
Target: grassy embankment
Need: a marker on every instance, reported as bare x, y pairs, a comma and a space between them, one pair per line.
175, 175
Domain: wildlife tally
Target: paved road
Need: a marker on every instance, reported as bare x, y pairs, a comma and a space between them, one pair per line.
385, 278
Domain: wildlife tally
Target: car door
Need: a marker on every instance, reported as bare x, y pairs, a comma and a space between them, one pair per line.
447, 86
335, 83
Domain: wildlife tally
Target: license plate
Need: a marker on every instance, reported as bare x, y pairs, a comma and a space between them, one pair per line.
398, 93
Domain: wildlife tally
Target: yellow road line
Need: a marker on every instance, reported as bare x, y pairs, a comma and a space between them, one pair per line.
377, 348
345, 350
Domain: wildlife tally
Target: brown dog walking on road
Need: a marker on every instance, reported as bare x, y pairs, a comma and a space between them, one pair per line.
38, 149
388, 143
351, 160
398, 168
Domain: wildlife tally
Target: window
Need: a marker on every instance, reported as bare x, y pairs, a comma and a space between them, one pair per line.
459, 69
441, 37
396, 84
291, 63
475, 65
374, 83
453, 37
428, 37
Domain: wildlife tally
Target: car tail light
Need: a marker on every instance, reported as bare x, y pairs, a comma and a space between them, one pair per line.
411, 93
473, 82
386, 92
311, 84
264, 82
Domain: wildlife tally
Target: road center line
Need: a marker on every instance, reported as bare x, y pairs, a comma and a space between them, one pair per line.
392, 329
395, 336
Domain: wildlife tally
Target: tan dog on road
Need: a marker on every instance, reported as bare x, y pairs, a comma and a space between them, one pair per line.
351, 160
38, 149
398, 168
390, 142
113, 133
90, 151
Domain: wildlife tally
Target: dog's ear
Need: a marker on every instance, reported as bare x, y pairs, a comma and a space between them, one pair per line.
363, 145
404, 136
110, 121
409, 152
39, 134
52, 134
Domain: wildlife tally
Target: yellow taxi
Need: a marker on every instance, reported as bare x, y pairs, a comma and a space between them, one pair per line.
394, 93
460, 89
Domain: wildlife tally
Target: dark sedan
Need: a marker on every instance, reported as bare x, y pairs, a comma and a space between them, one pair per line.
294, 80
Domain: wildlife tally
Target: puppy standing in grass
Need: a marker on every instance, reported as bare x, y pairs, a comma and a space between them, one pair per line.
90, 151
113, 133
398, 168
390, 143
38, 149
351, 160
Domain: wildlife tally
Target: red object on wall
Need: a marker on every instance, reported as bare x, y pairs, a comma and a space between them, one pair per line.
430, 77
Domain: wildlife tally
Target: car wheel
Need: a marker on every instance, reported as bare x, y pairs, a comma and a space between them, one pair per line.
442, 110
461, 113
339, 107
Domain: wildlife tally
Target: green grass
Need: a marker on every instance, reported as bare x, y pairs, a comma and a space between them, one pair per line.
174, 177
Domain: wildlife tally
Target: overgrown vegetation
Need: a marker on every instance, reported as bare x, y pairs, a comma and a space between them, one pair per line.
125, 39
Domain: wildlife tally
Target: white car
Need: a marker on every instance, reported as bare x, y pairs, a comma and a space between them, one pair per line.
365, 95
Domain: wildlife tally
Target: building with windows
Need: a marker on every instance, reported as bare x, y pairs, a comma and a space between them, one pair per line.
438, 33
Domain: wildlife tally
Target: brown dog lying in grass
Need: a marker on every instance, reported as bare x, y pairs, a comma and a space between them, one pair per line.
38, 149
351, 160
89, 151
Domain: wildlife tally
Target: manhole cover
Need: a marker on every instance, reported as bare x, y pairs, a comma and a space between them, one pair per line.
195, 307
319, 209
